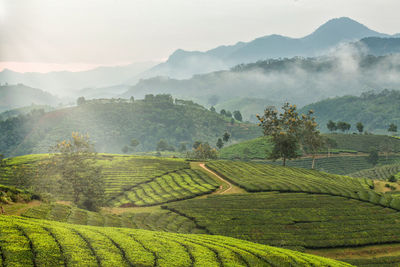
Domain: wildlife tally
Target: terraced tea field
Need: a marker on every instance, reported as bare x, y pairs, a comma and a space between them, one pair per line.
169, 187
294, 220
157, 219
29, 242
342, 165
380, 172
256, 177
121, 172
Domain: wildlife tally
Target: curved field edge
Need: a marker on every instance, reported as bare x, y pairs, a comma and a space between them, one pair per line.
30, 242
258, 177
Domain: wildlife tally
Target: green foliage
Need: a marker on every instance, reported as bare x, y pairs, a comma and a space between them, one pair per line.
10, 194
392, 128
343, 126
203, 151
237, 115
373, 157
360, 127
75, 164
226, 137
331, 126
288, 131
112, 124
220, 143
28, 242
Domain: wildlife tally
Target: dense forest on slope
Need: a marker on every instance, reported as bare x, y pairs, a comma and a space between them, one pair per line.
375, 110
112, 124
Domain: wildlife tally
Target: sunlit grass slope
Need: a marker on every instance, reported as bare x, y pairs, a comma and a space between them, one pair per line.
28, 242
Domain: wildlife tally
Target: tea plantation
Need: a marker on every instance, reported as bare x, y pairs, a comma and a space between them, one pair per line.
169, 187
158, 220
29, 242
342, 165
256, 177
380, 172
294, 220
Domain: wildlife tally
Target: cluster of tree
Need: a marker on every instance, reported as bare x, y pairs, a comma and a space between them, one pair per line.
131, 147
392, 128
202, 151
221, 141
236, 114
340, 125
163, 145
291, 132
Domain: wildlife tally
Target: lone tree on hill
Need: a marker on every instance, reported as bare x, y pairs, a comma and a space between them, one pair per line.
392, 128
310, 136
226, 137
331, 126
220, 143
74, 161
360, 127
289, 131
237, 115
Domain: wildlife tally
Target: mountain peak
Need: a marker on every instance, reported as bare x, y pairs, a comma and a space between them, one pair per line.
342, 29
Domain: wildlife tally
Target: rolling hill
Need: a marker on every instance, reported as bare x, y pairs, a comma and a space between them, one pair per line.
376, 110
112, 124
17, 96
28, 242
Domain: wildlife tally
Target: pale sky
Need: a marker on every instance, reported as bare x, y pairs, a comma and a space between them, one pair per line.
46, 35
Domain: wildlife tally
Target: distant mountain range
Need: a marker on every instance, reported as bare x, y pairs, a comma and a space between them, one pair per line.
297, 80
183, 64
113, 81
67, 83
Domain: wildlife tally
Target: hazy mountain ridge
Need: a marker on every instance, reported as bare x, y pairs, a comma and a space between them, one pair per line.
298, 80
68, 83
329, 35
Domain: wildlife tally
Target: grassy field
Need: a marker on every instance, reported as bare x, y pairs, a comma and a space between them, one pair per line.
256, 177
29, 242
294, 220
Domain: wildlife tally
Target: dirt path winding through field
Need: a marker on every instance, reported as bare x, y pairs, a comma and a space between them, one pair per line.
229, 185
